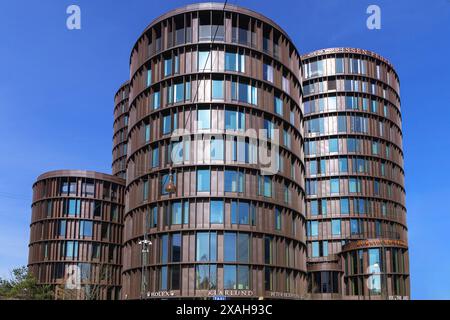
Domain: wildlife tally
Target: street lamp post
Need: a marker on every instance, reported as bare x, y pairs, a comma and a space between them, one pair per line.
144, 256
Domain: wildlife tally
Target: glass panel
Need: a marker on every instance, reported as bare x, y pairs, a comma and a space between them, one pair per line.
277, 219
179, 92
216, 148
217, 89
243, 278
279, 106
204, 61
234, 181
314, 207
204, 119
155, 157
167, 124
229, 246
203, 180
243, 247
344, 206
86, 228
231, 61
176, 212
164, 248
216, 211
229, 277
333, 145
74, 207
163, 278
167, 67
267, 73
244, 213
334, 186
176, 247
315, 249
336, 227
206, 277
62, 228
202, 246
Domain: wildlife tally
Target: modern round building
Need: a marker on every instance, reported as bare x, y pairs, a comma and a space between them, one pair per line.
356, 229
76, 233
221, 220
120, 134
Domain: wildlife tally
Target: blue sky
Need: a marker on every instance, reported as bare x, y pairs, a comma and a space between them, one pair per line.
57, 87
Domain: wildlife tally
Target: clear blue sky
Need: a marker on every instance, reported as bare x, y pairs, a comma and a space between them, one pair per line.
57, 87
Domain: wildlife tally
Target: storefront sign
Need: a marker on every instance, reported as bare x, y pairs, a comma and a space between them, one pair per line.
375, 243
289, 295
231, 293
160, 294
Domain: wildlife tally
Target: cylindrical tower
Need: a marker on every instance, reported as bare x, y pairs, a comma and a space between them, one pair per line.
120, 134
221, 221
76, 233
356, 229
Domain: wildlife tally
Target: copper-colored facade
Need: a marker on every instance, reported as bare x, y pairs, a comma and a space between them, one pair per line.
227, 229
120, 127
330, 223
76, 233
357, 234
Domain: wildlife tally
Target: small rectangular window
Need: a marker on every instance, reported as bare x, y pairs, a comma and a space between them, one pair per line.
234, 181
204, 119
204, 61
73, 207
234, 120
268, 72
217, 89
229, 253
176, 213
336, 227
244, 212
86, 228
278, 106
147, 132
314, 207
149, 77
156, 100
178, 92
62, 228
277, 219
339, 65
167, 67
167, 124
333, 145
216, 211
334, 186
155, 157
343, 167
203, 180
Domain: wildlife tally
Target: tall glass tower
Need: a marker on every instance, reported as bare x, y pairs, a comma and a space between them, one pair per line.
356, 229
222, 221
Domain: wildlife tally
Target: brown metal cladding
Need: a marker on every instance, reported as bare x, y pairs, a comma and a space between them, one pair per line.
76, 226
120, 128
354, 176
274, 262
329, 224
